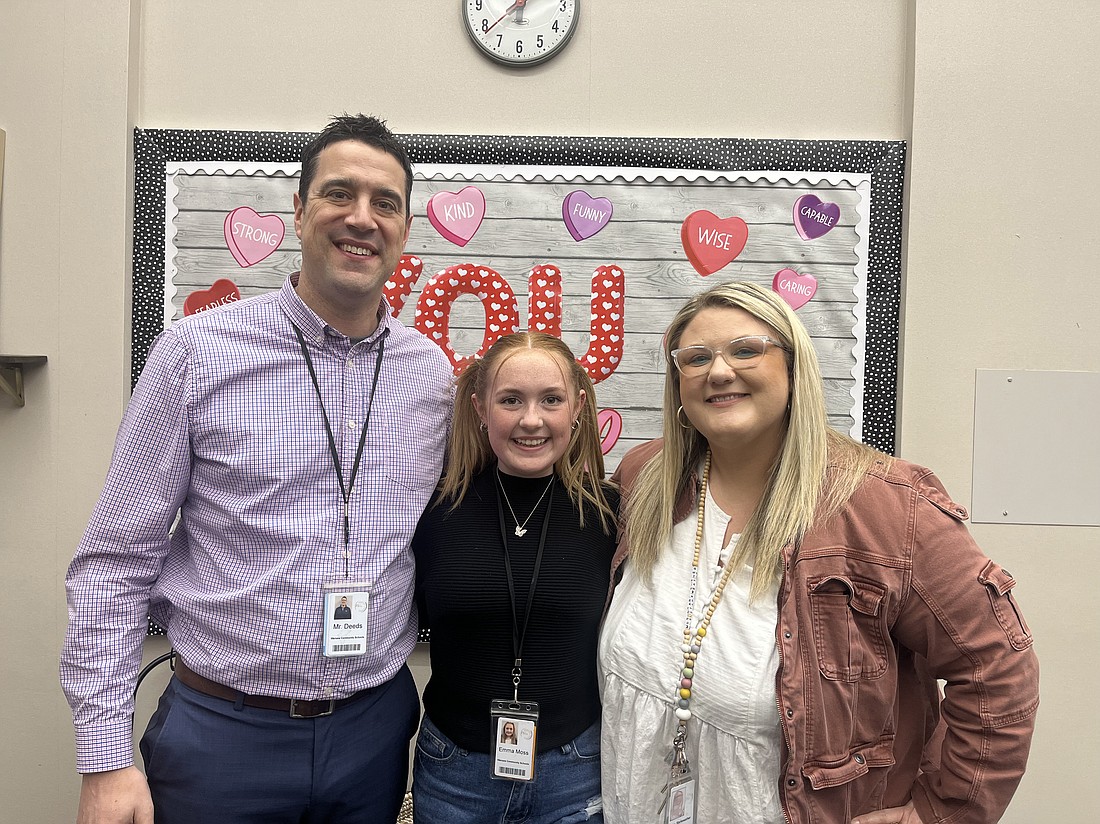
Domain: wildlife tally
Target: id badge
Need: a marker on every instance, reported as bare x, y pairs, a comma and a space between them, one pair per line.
514, 733
345, 618
680, 801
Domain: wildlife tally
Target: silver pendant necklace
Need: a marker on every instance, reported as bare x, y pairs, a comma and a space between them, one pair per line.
521, 529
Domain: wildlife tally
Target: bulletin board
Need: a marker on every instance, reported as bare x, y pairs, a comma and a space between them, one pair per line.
598, 240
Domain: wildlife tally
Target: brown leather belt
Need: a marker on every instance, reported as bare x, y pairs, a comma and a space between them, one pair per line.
295, 708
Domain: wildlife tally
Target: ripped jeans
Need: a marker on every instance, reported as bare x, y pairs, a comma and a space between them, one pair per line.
452, 785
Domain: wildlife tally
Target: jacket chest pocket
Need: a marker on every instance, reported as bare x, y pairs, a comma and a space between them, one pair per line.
849, 627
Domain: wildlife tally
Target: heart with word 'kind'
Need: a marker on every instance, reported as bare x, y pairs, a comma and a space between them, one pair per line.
712, 242
250, 236
794, 288
585, 215
457, 215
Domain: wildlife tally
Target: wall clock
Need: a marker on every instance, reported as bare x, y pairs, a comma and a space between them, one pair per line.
520, 32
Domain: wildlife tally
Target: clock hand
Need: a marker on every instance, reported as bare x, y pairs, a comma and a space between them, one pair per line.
518, 4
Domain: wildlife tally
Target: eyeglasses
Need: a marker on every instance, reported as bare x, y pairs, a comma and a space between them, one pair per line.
742, 353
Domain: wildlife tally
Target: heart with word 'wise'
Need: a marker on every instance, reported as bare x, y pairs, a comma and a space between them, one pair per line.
712, 242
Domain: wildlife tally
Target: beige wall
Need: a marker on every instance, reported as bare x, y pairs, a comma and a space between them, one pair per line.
1001, 113
1002, 252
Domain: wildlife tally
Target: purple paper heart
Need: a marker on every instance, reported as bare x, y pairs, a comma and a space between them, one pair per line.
813, 218
584, 216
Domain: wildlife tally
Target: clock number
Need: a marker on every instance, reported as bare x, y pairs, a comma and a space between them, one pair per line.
519, 47
555, 26
538, 42
484, 25
500, 39
477, 5
562, 6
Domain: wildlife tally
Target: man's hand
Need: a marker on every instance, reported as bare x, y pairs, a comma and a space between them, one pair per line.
115, 797
891, 815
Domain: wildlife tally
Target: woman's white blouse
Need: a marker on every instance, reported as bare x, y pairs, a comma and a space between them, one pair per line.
733, 738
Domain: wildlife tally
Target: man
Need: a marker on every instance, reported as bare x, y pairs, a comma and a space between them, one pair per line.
298, 435
342, 612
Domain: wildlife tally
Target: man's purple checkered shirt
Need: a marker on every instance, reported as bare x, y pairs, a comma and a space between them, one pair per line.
225, 429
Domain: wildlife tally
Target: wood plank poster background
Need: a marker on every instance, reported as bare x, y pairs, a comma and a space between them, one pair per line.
187, 182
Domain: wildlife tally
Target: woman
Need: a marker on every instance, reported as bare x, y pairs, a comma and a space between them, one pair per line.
513, 559
790, 599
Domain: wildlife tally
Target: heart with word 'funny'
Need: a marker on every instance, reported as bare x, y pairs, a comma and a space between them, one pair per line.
585, 215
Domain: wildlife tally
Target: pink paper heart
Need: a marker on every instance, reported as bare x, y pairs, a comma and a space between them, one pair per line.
794, 288
457, 215
712, 242
251, 236
585, 215
813, 218
221, 292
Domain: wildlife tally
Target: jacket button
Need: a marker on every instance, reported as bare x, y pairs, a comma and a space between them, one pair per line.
790, 713
859, 759
791, 782
787, 634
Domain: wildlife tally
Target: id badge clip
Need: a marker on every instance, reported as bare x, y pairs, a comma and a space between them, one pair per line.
344, 617
678, 801
513, 730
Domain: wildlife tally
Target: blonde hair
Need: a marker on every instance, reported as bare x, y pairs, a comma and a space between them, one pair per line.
814, 474
580, 469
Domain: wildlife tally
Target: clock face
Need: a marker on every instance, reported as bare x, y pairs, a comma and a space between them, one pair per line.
520, 32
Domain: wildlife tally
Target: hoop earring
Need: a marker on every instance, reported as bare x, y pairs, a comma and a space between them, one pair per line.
576, 423
483, 427
683, 425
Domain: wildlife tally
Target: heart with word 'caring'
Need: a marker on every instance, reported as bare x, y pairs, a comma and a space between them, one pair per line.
794, 288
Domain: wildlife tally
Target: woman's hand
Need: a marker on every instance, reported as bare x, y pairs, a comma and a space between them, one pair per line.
891, 815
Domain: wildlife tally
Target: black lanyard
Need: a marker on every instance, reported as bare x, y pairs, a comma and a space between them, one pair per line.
344, 491
519, 634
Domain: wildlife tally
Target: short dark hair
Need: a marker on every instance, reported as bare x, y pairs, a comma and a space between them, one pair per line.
364, 128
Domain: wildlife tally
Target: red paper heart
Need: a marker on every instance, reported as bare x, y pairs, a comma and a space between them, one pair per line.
711, 242
220, 293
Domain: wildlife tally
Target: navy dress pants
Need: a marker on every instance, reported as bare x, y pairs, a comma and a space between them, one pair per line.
210, 761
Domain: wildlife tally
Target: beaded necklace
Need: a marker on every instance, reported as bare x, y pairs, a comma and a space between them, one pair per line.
694, 634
